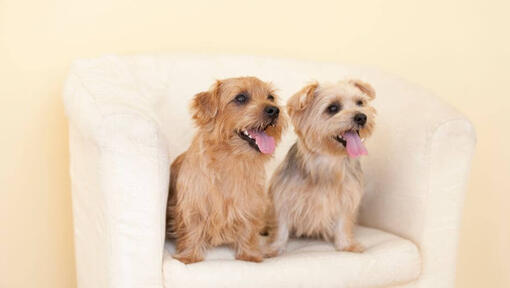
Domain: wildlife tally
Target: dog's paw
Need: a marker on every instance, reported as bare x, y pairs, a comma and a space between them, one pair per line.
271, 252
251, 257
187, 259
353, 247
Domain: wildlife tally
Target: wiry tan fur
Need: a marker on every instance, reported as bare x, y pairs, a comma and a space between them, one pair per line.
217, 186
317, 189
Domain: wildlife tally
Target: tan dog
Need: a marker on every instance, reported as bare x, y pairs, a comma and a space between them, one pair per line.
317, 189
217, 193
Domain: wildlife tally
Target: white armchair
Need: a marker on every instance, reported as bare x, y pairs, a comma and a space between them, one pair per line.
128, 119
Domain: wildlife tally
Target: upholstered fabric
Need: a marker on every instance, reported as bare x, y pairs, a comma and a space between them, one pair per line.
129, 118
388, 260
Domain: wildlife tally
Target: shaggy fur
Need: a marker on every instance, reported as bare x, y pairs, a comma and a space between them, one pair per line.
317, 189
217, 191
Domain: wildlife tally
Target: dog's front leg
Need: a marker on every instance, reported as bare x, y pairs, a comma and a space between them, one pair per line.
344, 238
279, 237
247, 244
191, 244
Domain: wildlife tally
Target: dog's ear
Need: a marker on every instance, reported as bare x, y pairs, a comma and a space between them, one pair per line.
299, 101
205, 105
364, 87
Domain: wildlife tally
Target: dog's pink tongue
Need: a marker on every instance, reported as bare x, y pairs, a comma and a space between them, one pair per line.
354, 146
265, 142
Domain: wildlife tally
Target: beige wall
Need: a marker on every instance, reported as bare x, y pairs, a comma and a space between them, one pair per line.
459, 49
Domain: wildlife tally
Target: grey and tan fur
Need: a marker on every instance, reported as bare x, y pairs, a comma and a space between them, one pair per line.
317, 189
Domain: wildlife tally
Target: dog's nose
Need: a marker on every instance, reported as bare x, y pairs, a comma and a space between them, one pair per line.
360, 119
271, 111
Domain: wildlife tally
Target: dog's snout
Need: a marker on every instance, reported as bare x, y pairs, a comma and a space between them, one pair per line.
360, 119
272, 111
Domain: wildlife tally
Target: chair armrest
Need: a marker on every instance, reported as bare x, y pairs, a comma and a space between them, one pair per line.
119, 174
416, 176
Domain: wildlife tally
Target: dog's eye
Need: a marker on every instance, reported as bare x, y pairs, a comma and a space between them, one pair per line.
241, 98
359, 102
270, 98
333, 108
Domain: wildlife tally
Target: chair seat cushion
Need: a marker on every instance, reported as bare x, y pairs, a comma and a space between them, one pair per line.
387, 260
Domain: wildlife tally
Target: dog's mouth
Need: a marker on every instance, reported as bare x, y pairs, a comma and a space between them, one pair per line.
258, 139
352, 142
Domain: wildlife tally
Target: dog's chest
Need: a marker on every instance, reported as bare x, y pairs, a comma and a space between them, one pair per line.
238, 201
317, 209
239, 180
329, 188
